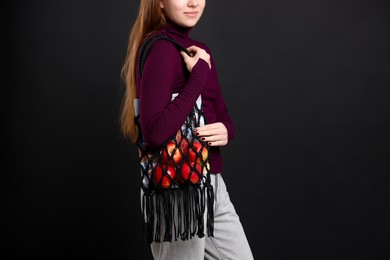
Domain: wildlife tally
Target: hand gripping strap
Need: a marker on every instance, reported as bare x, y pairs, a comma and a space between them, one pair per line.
175, 179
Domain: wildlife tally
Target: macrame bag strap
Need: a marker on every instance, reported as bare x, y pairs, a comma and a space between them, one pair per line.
148, 43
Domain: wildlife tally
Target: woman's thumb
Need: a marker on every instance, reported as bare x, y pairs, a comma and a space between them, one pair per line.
183, 54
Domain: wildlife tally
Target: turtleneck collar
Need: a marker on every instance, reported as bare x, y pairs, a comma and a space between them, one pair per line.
182, 32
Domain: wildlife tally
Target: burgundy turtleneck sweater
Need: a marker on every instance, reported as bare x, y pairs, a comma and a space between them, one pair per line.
165, 73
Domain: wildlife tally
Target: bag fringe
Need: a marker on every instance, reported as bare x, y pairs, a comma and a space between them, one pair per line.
177, 213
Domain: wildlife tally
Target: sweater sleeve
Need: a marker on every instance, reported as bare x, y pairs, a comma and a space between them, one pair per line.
161, 117
219, 103
223, 116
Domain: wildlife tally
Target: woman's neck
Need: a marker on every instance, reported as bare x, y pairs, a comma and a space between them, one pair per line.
171, 27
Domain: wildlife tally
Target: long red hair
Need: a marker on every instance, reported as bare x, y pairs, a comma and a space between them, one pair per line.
150, 19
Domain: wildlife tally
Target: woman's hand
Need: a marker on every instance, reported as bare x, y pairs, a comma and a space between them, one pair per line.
196, 54
214, 134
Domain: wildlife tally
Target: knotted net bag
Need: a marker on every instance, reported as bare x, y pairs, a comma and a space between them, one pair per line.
175, 179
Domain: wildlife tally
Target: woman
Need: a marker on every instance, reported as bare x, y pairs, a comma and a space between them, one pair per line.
167, 71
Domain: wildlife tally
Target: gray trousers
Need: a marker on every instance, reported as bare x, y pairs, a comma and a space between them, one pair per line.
229, 241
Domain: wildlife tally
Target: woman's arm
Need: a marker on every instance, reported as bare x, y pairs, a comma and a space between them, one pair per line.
161, 117
223, 131
223, 116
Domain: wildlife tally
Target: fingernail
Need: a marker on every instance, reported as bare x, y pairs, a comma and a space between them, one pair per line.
203, 138
197, 133
209, 143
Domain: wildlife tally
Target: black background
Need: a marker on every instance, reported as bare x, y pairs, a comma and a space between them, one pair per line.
307, 85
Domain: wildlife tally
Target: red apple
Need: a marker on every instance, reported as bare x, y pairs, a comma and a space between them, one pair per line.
160, 179
171, 152
190, 172
197, 153
184, 146
182, 141
178, 136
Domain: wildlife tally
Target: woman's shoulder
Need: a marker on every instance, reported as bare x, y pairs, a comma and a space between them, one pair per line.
162, 47
201, 45
160, 42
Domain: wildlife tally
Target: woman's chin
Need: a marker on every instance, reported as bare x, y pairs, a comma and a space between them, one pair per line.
188, 23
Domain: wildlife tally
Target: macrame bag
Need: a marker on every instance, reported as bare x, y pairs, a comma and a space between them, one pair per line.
175, 179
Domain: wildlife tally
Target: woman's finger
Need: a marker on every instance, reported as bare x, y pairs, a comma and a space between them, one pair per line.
184, 55
214, 138
211, 132
193, 48
210, 126
217, 143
